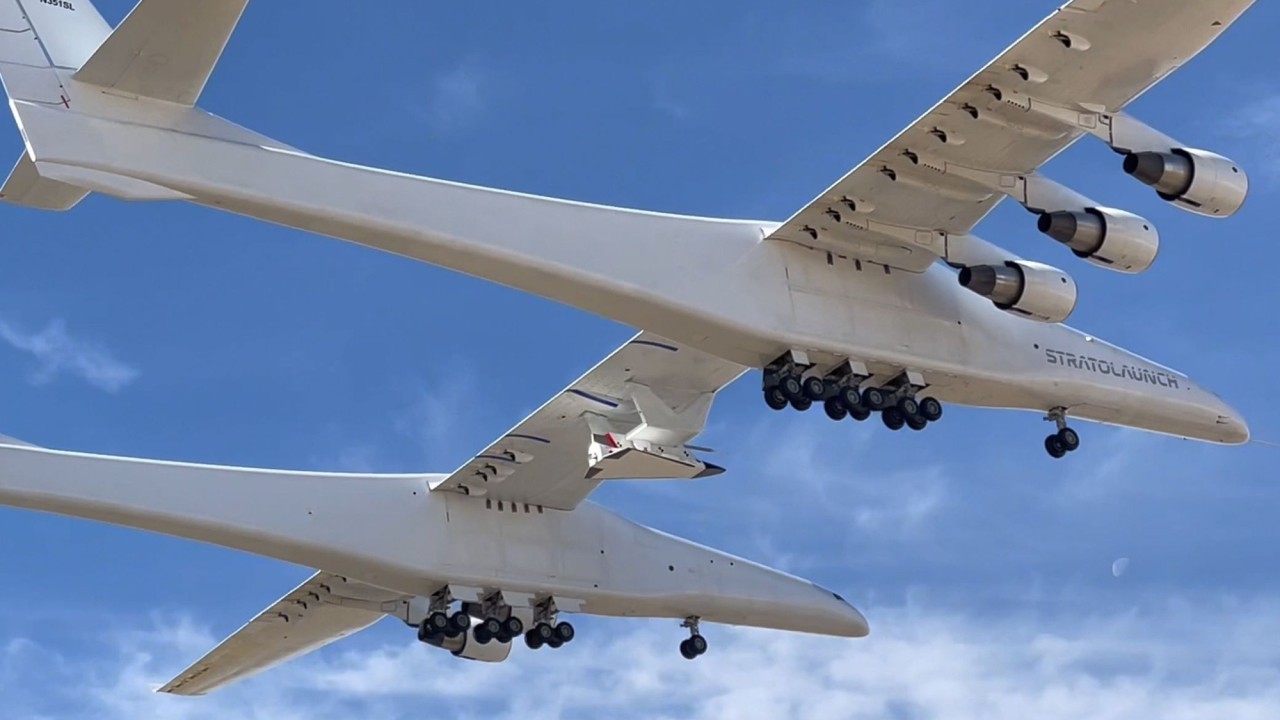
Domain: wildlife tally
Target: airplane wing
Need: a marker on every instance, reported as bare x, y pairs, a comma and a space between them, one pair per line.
322, 609
630, 417
900, 207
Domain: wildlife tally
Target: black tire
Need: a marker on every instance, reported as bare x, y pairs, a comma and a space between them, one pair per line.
850, 398
565, 632
814, 388
425, 633
686, 650
802, 404
482, 634
860, 414
493, 626
459, 622
791, 388
931, 409
917, 423
774, 398
513, 626
909, 406
1069, 438
1054, 447
544, 631
698, 644
835, 409
874, 398
554, 644
532, 640
770, 379
438, 621
893, 418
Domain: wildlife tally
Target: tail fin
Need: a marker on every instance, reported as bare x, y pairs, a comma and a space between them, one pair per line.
61, 53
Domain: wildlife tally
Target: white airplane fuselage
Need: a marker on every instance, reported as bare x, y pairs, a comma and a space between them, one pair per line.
714, 284
391, 532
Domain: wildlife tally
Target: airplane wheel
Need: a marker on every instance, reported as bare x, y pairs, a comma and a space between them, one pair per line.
438, 621
513, 626
1069, 438
860, 413
791, 388
835, 409
698, 643
850, 398
931, 409
686, 649
774, 398
874, 398
915, 422
802, 404
424, 632
554, 644
909, 407
565, 632
532, 640
482, 634
893, 418
459, 622
814, 387
1054, 447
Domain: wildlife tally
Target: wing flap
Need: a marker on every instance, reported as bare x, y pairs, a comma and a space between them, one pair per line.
323, 609
897, 210
165, 49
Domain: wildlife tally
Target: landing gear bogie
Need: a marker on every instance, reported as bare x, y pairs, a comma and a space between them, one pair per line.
695, 645
1065, 440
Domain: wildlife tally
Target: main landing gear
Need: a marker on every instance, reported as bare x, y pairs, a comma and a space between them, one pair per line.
546, 632
439, 622
790, 382
1065, 440
695, 645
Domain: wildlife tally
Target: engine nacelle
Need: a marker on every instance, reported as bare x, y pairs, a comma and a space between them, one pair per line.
465, 646
1030, 289
1197, 181
1109, 238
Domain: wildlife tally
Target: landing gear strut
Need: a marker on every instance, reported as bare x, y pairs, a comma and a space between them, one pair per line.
546, 632
694, 645
499, 623
1065, 440
439, 622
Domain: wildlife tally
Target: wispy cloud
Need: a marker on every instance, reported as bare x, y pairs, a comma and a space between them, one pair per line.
457, 96
1182, 660
57, 352
1257, 122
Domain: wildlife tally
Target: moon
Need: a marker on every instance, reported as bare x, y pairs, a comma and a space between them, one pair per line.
1119, 567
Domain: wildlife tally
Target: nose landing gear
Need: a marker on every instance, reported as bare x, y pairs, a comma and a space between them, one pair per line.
1065, 440
695, 645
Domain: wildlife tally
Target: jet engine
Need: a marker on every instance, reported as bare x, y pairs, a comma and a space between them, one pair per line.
1197, 181
1030, 289
465, 646
1110, 238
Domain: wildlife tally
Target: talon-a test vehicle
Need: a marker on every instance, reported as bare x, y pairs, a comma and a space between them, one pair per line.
854, 302
475, 559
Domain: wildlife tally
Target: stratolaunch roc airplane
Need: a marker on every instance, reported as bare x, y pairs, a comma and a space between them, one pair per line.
853, 302
474, 559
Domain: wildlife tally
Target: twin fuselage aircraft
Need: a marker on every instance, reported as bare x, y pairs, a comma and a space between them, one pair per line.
876, 298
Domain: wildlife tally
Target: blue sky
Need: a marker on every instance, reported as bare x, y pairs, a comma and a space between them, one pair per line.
176, 332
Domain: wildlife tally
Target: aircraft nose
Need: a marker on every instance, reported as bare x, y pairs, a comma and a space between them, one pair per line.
848, 620
1235, 431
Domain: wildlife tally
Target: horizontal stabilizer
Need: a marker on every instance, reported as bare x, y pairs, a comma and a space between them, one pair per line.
165, 50
27, 188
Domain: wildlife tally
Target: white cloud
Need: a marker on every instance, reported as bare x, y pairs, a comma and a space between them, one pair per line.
457, 96
57, 352
1182, 660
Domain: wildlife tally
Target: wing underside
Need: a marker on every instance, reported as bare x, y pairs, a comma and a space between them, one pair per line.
323, 609
1093, 57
